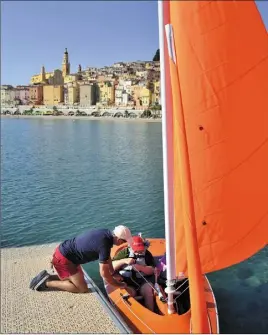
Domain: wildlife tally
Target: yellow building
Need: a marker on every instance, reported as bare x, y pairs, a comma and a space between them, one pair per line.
42, 77
71, 93
127, 76
149, 65
53, 95
156, 93
106, 92
146, 97
51, 78
70, 78
136, 93
73, 77
55, 77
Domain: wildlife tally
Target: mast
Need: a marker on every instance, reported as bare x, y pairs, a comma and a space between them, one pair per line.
168, 184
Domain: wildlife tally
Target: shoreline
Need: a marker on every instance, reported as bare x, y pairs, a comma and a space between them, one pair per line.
88, 118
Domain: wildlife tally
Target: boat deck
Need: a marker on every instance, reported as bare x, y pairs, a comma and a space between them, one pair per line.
27, 311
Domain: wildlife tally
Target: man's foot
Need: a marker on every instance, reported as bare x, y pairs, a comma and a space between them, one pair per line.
38, 282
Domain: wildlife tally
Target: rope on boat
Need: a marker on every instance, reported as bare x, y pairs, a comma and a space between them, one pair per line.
145, 279
155, 288
138, 317
121, 298
117, 301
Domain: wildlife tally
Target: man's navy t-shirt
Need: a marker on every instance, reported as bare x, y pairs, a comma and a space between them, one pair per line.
89, 246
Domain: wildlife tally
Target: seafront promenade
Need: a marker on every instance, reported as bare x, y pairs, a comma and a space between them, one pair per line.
87, 118
27, 311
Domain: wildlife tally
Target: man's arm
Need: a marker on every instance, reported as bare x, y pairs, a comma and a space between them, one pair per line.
106, 266
121, 259
107, 276
121, 262
111, 268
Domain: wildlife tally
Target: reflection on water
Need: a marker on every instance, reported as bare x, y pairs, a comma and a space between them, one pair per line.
61, 177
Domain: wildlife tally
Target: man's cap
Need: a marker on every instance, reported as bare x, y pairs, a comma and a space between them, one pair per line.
123, 233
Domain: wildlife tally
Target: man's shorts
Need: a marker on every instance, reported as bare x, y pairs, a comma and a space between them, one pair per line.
63, 266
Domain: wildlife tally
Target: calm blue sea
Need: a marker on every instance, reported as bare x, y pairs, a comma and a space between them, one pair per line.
60, 177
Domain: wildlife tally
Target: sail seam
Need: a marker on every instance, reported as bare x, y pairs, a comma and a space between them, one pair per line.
216, 180
250, 231
245, 73
205, 72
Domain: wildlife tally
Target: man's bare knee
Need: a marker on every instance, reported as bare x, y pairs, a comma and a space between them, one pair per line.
79, 282
82, 290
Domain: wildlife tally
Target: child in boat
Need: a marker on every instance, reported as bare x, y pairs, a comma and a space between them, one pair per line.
137, 268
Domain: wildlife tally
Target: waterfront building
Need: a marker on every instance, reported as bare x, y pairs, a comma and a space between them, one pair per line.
22, 94
127, 86
119, 95
146, 97
87, 95
7, 95
106, 92
36, 94
156, 93
137, 95
125, 98
53, 95
71, 93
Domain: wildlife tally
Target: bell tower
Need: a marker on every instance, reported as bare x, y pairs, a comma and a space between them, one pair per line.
65, 64
43, 74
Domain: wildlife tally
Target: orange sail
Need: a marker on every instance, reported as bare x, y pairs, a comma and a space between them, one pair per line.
183, 201
220, 70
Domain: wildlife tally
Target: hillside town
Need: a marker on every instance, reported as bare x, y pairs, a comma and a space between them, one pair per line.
124, 85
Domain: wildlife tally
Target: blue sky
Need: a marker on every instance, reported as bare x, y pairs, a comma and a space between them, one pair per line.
96, 33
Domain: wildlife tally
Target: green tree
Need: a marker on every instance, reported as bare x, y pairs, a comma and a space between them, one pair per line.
157, 56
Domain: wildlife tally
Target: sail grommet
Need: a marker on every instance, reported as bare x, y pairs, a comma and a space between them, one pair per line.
204, 223
201, 128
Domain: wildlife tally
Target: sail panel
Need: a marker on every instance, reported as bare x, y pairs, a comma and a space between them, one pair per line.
222, 63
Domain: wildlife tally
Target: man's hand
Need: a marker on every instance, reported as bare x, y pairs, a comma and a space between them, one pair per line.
118, 277
123, 285
130, 261
129, 290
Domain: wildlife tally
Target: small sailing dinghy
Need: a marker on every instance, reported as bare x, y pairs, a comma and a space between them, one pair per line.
214, 92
